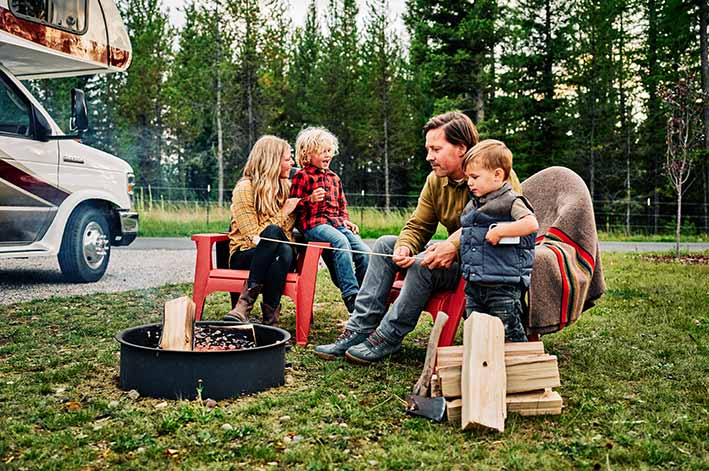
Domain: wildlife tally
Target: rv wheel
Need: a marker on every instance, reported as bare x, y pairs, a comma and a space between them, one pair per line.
86, 247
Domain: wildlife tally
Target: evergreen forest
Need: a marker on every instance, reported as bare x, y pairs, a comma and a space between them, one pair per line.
614, 89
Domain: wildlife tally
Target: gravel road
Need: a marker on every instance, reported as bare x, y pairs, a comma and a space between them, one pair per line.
153, 262
128, 269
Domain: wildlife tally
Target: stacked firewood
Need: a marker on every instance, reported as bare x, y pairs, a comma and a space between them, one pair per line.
492, 378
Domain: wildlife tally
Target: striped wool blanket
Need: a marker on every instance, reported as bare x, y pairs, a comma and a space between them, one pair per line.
567, 277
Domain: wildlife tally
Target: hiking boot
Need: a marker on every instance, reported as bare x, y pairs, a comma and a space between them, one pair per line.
347, 339
374, 349
270, 314
245, 305
350, 302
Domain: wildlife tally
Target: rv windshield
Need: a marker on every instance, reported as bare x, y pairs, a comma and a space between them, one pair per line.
69, 15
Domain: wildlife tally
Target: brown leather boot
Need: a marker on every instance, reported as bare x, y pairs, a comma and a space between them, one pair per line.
270, 314
246, 302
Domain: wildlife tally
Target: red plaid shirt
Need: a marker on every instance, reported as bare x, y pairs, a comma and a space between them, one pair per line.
331, 210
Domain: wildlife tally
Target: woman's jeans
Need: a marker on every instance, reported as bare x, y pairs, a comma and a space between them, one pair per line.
268, 264
345, 277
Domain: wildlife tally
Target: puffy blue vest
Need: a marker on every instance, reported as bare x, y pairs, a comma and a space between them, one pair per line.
482, 262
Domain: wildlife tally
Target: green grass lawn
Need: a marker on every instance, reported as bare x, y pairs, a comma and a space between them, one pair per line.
634, 373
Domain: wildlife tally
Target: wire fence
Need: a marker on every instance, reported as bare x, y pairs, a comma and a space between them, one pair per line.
640, 216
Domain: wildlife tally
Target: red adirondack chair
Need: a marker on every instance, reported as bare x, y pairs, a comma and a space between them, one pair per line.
300, 285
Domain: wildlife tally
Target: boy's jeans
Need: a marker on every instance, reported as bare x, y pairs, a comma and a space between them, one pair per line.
345, 277
503, 301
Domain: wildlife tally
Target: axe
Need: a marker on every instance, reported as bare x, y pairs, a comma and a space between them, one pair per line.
419, 403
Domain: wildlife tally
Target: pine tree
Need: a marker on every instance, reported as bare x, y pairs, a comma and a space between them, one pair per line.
142, 101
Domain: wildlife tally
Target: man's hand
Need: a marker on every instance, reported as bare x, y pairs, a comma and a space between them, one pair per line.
402, 257
440, 255
317, 195
290, 205
351, 226
493, 235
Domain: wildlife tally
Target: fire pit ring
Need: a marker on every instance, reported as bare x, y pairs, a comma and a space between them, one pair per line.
172, 374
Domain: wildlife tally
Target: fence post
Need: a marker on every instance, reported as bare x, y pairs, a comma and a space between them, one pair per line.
209, 189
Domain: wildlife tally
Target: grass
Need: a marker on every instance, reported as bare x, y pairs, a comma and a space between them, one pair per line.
634, 370
184, 220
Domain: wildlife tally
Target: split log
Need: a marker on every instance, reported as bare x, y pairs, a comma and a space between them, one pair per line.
178, 325
453, 409
453, 355
436, 386
529, 373
535, 403
483, 382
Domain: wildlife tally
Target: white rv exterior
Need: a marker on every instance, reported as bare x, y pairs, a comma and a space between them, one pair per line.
58, 196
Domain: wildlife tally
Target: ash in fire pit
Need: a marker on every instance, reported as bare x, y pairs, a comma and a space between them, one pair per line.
229, 359
212, 338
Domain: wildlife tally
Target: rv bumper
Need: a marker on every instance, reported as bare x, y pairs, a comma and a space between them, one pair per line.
128, 229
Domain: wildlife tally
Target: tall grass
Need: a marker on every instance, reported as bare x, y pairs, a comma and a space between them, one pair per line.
169, 220
163, 219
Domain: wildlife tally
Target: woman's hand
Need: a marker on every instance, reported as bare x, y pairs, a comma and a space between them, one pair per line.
351, 226
290, 205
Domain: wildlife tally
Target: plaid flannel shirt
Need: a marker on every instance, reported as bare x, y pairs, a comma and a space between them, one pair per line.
331, 210
247, 223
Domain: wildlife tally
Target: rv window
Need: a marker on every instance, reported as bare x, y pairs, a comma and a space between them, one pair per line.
14, 112
69, 15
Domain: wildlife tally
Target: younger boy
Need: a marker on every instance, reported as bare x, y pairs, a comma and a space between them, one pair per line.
497, 243
321, 213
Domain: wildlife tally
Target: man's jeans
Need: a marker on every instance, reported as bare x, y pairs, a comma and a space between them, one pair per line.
503, 301
370, 308
344, 276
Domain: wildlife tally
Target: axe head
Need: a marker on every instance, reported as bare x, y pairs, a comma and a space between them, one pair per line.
430, 407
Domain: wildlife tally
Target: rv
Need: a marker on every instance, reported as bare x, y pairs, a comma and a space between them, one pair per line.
59, 197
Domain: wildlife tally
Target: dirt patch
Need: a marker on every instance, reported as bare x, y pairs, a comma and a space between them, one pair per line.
697, 259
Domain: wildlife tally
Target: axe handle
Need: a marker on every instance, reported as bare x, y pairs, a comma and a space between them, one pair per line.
421, 387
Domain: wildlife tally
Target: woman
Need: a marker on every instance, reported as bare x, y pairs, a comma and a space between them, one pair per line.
261, 207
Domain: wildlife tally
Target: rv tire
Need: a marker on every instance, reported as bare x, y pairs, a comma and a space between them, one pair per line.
86, 247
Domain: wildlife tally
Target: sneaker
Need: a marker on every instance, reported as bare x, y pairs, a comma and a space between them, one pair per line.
347, 339
374, 349
350, 302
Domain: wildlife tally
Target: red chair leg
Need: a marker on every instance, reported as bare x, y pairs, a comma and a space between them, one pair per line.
199, 294
303, 315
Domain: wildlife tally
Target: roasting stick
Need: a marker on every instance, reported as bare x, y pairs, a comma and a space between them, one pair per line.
257, 239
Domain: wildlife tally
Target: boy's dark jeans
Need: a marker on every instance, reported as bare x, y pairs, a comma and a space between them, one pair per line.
503, 301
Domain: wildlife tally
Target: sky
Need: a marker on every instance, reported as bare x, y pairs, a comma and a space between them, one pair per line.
298, 9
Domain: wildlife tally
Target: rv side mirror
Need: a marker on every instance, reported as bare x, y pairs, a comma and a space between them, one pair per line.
79, 113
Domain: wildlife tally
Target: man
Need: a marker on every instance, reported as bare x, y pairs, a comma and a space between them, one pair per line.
372, 333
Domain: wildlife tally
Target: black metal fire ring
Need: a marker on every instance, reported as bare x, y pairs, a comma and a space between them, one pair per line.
171, 374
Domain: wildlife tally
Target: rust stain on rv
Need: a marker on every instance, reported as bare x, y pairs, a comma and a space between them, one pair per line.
63, 41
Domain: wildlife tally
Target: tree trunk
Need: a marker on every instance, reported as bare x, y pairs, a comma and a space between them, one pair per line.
387, 201
624, 123
679, 217
220, 141
653, 107
703, 11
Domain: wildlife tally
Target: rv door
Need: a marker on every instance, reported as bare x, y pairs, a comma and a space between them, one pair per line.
29, 196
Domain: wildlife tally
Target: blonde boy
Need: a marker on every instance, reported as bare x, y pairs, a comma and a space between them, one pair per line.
321, 213
497, 242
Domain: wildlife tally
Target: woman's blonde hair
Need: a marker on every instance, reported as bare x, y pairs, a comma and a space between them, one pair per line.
312, 140
263, 168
